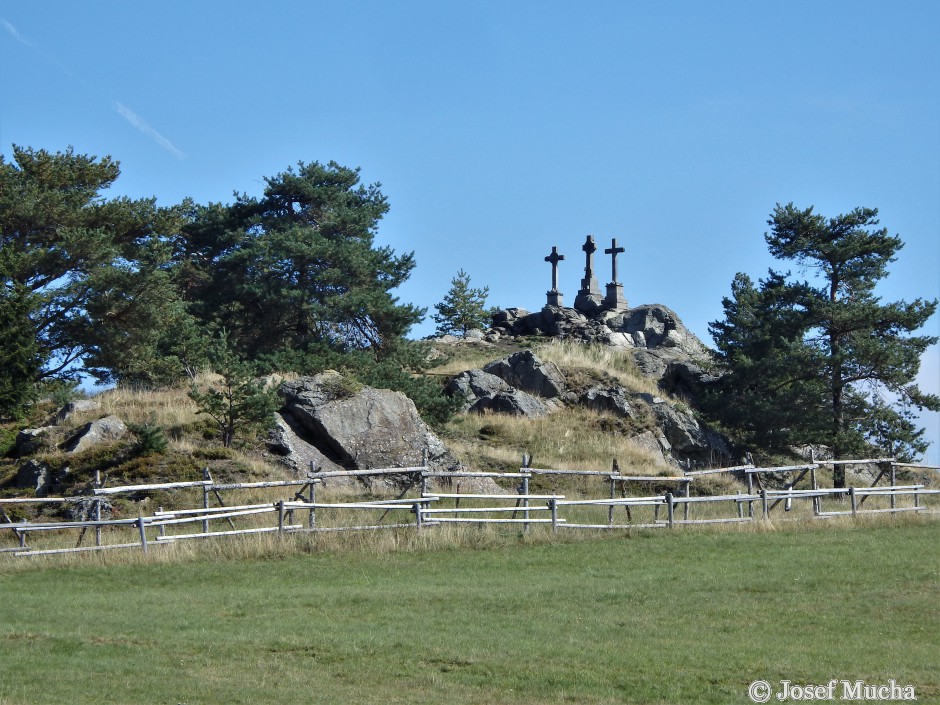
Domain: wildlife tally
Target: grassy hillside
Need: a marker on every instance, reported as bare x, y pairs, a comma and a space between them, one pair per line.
570, 438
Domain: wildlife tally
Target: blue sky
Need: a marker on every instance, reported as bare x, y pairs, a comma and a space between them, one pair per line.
499, 129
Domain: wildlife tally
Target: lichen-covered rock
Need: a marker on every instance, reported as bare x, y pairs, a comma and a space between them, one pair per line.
34, 475
474, 385
512, 401
483, 391
608, 399
686, 436
524, 371
362, 428
88, 509
648, 441
32, 440
105, 430
76, 407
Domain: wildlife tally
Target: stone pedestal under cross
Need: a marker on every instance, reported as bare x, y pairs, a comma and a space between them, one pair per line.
589, 297
554, 296
614, 298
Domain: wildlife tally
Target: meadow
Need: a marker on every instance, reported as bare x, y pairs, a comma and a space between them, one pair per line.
478, 616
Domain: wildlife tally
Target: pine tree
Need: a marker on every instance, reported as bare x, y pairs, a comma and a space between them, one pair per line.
463, 308
297, 268
237, 402
20, 361
88, 265
835, 350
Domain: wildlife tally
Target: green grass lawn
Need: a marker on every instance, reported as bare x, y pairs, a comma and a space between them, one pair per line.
689, 616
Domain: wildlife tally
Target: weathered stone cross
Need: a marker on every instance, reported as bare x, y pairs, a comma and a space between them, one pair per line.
613, 250
554, 258
589, 249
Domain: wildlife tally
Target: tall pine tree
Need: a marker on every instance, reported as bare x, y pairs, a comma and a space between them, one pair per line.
298, 268
820, 365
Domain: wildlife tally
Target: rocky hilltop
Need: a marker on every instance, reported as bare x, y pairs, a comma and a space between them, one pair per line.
663, 349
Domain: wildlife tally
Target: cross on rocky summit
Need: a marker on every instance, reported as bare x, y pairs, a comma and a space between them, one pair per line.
613, 250
554, 258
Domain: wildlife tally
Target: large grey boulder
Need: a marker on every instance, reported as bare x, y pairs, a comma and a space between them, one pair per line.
78, 406
608, 399
659, 326
361, 427
686, 436
299, 455
473, 385
523, 370
35, 475
483, 391
105, 430
31, 440
513, 402
649, 442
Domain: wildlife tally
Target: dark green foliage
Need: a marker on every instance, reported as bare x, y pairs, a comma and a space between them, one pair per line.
297, 268
238, 402
764, 362
130, 292
463, 308
151, 439
7, 441
90, 266
20, 361
61, 391
815, 362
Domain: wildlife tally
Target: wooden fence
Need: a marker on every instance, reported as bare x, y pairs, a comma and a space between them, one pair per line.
302, 512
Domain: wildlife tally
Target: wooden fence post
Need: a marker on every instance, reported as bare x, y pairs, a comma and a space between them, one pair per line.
670, 509
553, 503
750, 491
763, 501
143, 533
610, 509
205, 498
526, 462
685, 509
852, 500
417, 511
161, 530
817, 505
893, 480
280, 517
424, 472
312, 521
97, 485
740, 507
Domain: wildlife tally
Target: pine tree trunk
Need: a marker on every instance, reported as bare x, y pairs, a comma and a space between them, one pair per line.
838, 389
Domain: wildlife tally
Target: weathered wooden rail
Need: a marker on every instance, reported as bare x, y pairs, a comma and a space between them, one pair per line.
438, 508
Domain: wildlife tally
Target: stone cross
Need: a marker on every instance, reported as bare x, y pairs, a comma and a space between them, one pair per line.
589, 249
589, 297
554, 258
613, 250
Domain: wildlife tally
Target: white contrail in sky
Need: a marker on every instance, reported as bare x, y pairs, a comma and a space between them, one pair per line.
16, 35
145, 127
133, 118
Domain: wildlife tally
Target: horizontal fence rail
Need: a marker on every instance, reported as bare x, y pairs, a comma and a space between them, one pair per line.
432, 508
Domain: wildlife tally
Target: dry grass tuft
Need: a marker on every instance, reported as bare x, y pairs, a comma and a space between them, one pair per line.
599, 360
575, 439
168, 408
